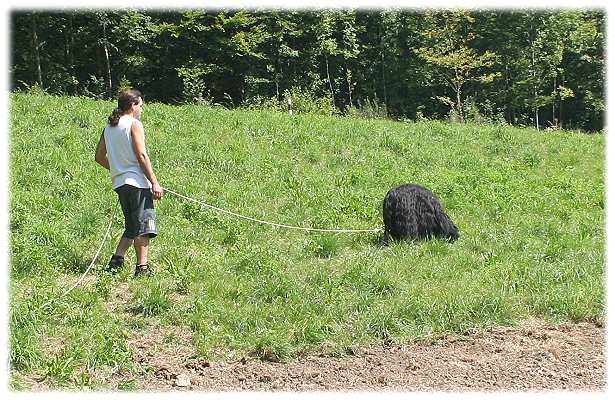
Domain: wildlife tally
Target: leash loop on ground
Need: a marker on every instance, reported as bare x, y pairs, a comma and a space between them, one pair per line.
88, 268
267, 222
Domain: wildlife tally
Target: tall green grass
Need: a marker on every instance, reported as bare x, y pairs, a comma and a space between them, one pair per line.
529, 205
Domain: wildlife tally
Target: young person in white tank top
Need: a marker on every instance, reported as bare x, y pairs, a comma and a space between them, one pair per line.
121, 149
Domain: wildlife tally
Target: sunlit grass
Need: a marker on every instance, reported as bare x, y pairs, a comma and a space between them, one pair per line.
529, 205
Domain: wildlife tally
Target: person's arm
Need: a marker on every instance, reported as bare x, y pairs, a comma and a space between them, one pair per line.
101, 152
138, 144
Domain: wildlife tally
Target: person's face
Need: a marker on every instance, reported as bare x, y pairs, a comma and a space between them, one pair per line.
137, 108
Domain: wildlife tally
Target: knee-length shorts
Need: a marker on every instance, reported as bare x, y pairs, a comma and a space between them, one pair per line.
139, 213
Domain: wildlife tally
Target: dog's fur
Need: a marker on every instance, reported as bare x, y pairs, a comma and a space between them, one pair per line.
413, 212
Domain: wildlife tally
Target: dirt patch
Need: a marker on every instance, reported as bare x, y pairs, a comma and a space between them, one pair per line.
534, 356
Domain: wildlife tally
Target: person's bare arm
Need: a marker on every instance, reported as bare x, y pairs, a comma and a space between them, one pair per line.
101, 152
138, 144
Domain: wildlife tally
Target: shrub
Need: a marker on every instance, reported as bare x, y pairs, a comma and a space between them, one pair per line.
369, 109
305, 102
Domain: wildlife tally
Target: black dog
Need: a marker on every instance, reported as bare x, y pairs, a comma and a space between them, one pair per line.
414, 212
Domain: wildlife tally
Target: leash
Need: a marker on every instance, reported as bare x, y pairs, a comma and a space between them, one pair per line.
88, 268
107, 232
267, 222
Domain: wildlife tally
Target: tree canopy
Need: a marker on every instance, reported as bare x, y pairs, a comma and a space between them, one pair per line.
532, 68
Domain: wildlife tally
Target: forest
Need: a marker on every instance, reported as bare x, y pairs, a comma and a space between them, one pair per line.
543, 69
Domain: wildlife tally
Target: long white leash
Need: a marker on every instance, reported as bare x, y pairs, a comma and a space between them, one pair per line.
88, 268
267, 222
67, 291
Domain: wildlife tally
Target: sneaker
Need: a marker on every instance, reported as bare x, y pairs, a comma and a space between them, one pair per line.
142, 270
115, 263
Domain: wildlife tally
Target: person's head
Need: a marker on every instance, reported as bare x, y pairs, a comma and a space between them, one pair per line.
128, 101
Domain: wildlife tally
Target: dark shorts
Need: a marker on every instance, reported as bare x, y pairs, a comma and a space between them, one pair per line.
139, 214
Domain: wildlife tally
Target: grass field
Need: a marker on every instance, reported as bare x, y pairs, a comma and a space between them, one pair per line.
529, 206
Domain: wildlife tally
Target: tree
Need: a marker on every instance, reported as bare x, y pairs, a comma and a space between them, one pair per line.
36, 58
103, 41
349, 48
448, 39
525, 66
327, 45
583, 68
279, 50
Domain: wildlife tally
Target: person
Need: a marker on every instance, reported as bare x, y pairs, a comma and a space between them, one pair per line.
121, 149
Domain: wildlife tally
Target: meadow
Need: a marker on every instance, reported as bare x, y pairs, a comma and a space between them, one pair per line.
530, 206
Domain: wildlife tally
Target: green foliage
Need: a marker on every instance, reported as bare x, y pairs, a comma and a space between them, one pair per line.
530, 207
193, 82
368, 109
532, 68
447, 47
304, 102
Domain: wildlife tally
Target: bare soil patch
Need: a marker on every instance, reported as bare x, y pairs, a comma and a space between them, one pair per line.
534, 356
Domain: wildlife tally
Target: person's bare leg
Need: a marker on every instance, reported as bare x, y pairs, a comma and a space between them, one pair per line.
122, 246
141, 244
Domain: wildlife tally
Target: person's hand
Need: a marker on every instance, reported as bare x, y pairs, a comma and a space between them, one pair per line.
157, 191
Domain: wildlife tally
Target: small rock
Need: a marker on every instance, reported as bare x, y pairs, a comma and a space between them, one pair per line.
314, 374
183, 380
198, 364
164, 373
542, 355
413, 367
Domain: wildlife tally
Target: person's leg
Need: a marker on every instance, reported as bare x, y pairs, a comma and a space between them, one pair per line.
141, 245
117, 259
147, 230
122, 246
129, 203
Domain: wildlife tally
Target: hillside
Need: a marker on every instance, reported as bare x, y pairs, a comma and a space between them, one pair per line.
529, 205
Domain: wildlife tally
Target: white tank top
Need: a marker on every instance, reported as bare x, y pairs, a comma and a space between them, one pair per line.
125, 169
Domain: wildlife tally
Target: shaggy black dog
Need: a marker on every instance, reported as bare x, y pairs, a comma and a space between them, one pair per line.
413, 212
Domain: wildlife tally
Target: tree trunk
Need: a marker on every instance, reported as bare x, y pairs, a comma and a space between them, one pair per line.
329, 79
38, 76
561, 106
554, 121
107, 61
71, 51
561, 114
536, 112
384, 81
349, 82
459, 104
535, 87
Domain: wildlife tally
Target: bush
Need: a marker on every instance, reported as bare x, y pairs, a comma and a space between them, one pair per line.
265, 103
369, 109
60, 81
305, 102
482, 113
95, 88
194, 83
